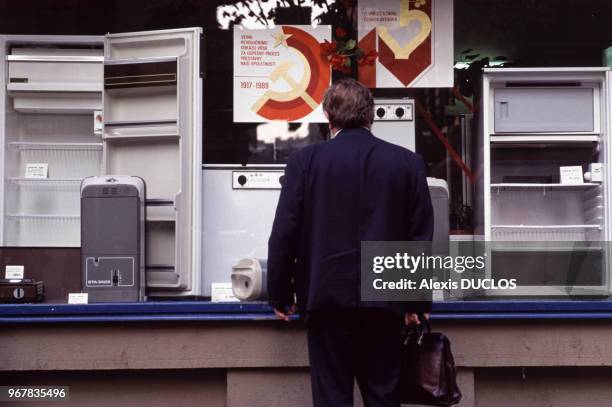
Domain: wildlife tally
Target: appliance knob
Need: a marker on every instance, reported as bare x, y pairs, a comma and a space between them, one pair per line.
380, 112
399, 112
242, 180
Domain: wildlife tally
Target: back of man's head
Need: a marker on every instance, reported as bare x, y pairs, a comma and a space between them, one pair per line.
348, 104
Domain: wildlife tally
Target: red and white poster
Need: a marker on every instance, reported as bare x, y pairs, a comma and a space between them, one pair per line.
414, 41
279, 74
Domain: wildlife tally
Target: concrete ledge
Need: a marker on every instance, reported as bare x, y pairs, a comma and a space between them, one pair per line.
275, 344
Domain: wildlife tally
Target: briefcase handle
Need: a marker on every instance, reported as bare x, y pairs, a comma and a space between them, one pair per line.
425, 326
420, 329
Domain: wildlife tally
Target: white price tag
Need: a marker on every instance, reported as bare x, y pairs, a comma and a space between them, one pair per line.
14, 272
595, 172
571, 175
78, 298
98, 121
37, 170
222, 292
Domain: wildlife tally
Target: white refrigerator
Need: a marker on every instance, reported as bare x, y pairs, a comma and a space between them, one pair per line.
125, 104
544, 185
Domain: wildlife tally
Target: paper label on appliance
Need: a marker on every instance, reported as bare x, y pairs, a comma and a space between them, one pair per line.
222, 292
98, 121
78, 298
37, 170
571, 175
596, 171
14, 272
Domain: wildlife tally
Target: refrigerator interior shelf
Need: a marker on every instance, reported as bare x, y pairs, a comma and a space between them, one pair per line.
26, 145
55, 58
514, 186
505, 248
549, 227
545, 233
42, 216
45, 182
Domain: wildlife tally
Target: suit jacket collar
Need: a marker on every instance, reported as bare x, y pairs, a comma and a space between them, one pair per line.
352, 131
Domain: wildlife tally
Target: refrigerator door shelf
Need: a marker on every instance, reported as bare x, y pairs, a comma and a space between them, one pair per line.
142, 129
140, 73
160, 214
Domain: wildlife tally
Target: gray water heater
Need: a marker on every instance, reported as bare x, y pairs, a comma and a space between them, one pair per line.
113, 238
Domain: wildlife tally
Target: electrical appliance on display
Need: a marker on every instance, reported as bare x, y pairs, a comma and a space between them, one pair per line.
544, 198
79, 106
113, 238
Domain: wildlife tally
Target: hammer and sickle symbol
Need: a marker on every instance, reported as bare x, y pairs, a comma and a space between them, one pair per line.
298, 89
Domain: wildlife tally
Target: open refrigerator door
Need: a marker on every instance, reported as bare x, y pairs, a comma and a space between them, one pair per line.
152, 129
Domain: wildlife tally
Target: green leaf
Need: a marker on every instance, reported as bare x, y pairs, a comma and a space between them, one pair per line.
350, 44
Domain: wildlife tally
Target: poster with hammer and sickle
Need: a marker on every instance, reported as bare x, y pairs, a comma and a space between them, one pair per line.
414, 41
279, 74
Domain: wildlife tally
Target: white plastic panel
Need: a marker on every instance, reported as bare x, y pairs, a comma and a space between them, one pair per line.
544, 110
55, 69
156, 161
141, 104
43, 230
55, 80
253, 179
56, 103
154, 132
394, 122
160, 244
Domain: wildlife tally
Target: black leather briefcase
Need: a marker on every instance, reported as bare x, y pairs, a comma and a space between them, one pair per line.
428, 375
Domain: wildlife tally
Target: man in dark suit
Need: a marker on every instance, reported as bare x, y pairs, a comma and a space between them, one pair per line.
352, 188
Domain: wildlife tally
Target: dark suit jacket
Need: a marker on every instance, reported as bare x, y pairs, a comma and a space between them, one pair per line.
352, 188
